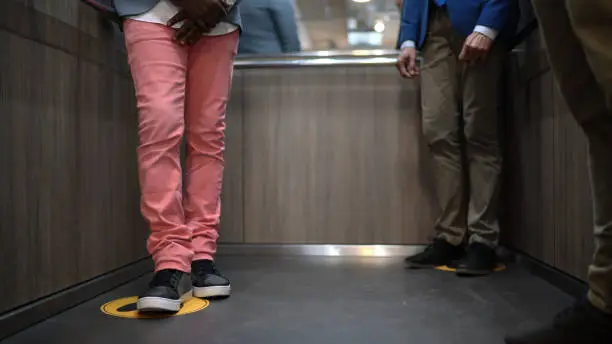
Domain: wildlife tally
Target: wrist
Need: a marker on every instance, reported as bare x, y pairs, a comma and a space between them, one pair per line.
408, 45
486, 31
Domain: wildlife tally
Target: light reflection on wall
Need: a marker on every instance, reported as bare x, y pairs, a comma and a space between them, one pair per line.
348, 24
377, 23
324, 25
361, 39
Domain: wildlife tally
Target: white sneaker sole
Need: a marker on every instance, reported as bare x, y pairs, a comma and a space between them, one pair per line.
215, 291
158, 304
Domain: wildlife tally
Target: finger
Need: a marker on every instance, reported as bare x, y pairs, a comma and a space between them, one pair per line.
477, 56
412, 68
207, 10
221, 6
472, 56
486, 48
480, 52
179, 17
183, 32
221, 10
182, 38
202, 25
179, 35
471, 53
194, 36
463, 53
483, 55
468, 46
401, 66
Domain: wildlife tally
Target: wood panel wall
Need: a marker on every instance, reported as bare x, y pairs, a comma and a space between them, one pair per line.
69, 197
232, 198
331, 155
549, 213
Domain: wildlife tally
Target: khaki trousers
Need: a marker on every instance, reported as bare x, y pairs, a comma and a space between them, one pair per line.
578, 37
460, 106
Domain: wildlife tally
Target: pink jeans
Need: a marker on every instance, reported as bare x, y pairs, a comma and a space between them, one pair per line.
180, 90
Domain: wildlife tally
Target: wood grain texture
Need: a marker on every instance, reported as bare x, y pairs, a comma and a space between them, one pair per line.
334, 155
574, 244
232, 197
530, 189
69, 208
547, 187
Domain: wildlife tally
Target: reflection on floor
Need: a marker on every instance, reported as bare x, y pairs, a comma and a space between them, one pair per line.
321, 300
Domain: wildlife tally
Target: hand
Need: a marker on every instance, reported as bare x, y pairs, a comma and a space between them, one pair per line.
406, 63
188, 34
205, 14
475, 48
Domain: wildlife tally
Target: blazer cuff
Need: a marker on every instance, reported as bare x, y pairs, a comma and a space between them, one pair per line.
487, 31
407, 44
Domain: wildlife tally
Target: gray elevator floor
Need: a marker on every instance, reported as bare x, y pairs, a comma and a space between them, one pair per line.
321, 300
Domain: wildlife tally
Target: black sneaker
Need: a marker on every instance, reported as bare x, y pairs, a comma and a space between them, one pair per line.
581, 323
208, 281
439, 253
479, 260
163, 294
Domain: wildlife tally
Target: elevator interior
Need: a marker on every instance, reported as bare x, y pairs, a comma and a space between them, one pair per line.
327, 187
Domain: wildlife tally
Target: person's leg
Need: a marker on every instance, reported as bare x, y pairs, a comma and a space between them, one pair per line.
587, 321
209, 76
440, 107
592, 23
481, 113
158, 69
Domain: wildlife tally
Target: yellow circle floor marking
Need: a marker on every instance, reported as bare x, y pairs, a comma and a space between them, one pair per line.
498, 268
126, 308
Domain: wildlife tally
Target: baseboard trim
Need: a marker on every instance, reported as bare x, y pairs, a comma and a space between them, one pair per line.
25, 316
563, 281
325, 250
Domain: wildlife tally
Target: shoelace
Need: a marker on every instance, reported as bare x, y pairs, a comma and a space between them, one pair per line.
203, 269
431, 247
166, 277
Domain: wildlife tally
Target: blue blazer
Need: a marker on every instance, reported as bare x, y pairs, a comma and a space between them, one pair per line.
269, 27
500, 15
